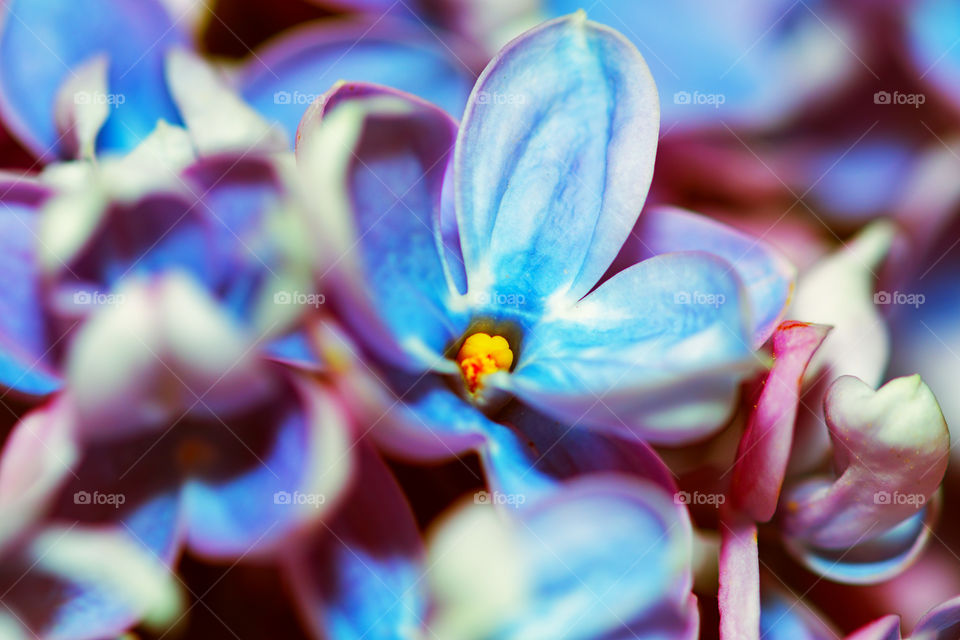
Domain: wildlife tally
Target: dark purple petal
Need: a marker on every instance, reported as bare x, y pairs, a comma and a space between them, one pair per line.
392, 165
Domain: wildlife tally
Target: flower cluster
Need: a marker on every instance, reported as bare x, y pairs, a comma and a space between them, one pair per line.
399, 375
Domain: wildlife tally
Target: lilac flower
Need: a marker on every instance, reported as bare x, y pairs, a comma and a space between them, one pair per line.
506, 246
228, 220
131, 40
55, 581
184, 431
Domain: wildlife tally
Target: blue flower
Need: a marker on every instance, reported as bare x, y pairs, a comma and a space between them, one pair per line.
479, 275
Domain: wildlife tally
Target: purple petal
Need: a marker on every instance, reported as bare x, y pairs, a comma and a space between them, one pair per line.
283, 78
765, 446
553, 161
943, 621
392, 167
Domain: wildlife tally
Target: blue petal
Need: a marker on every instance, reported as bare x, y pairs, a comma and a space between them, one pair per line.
233, 515
605, 555
553, 161
537, 453
425, 420
658, 350
56, 36
362, 578
286, 77
24, 363
767, 276
240, 202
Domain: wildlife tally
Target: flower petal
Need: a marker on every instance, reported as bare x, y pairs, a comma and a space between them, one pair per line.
764, 449
553, 161
767, 276
890, 451
56, 37
389, 151
943, 620
931, 29
361, 577
739, 597
838, 291
885, 628
602, 557
80, 118
535, 453
67, 590
163, 349
25, 365
293, 461
287, 75
262, 273
217, 119
662, 345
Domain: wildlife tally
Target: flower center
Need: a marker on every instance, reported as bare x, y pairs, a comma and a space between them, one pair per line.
481, 355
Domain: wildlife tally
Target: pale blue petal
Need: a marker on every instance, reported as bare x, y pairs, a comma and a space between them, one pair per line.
658, 350
553, 161
768, 277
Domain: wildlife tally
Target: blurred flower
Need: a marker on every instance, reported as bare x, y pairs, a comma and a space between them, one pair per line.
68, 581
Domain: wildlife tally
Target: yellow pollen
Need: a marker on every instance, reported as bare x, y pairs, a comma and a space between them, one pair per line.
481, 355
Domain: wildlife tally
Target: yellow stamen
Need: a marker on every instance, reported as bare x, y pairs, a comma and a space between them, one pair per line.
481, 355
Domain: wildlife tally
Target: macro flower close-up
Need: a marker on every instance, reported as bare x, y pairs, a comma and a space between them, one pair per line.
479, 320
